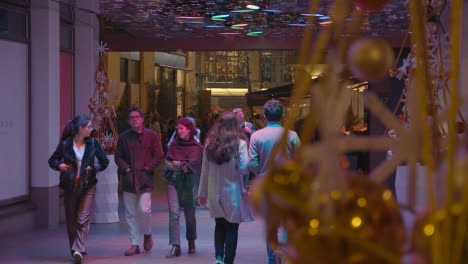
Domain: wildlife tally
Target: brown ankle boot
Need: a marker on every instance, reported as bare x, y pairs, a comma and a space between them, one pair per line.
175, 252
148, 243
133, 250
191, 247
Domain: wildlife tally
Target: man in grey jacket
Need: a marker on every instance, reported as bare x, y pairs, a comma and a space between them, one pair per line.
262, 143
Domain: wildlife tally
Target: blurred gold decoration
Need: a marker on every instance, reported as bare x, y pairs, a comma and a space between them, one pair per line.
366, 226
334, 218
432, 225
287, 181
460, 127
370, 59
431, 109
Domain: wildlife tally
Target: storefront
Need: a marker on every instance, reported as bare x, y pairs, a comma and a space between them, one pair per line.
14, 102
170, 75
48, 58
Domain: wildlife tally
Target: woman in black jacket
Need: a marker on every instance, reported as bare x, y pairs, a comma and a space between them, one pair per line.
74, 158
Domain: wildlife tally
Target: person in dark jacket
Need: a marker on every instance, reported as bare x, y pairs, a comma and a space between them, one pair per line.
74, 158
138, 154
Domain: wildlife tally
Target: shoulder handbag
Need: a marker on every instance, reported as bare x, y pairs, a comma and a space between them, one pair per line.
244, 205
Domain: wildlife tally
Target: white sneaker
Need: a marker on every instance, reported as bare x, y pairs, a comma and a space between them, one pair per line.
218, 262
77, 257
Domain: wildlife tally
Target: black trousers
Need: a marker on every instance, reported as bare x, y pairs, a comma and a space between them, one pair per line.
226, 240
79, 206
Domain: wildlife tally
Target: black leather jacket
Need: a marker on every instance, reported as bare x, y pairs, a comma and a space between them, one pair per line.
65, 154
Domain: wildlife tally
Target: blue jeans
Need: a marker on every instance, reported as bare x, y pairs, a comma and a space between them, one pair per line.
174, 216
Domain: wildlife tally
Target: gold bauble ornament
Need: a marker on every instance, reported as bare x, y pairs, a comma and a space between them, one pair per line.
287, 179
365, 210
277, 196
370, 59
433, 27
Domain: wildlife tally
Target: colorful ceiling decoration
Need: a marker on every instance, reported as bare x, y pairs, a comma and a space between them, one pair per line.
201, 19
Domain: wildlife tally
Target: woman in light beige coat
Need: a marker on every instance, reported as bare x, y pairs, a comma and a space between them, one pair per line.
225, 161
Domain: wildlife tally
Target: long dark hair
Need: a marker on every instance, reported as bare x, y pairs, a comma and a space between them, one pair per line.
223, 138
72, 126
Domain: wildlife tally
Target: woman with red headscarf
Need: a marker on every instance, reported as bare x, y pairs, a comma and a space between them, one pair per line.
182, 171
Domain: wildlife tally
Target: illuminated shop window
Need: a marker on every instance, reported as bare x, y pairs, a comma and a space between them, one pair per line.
226, 67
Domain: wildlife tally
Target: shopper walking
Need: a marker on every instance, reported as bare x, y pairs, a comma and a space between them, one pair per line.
248, 127
182, 171
262, 144
222, 189
74, 158
138, 154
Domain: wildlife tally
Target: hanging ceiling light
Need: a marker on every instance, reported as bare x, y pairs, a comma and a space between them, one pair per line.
254, 7
254, 33
220, 17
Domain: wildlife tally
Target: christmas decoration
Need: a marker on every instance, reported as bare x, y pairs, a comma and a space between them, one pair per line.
370, 59
460, 127
431, 225
102, 49
345, 223
102, 113
333, 216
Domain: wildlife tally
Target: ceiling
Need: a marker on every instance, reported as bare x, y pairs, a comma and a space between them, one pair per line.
229, 24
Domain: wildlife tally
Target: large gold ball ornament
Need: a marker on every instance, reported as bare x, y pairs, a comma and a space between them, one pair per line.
370, 59
366, 211
278, 196
288, 180
370, 5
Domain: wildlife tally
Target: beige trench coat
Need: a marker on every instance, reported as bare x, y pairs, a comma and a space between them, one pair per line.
221, 185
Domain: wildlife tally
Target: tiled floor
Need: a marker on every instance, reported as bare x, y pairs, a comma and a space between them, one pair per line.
107, 242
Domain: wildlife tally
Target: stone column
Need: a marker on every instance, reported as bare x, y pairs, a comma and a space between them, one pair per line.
254, 69
112, 62
86, 56
190, 83
45, 109
146, 77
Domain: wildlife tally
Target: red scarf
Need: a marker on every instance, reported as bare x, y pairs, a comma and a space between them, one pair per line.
189, 152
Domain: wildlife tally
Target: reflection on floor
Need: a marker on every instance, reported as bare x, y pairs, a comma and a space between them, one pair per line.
107, 242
